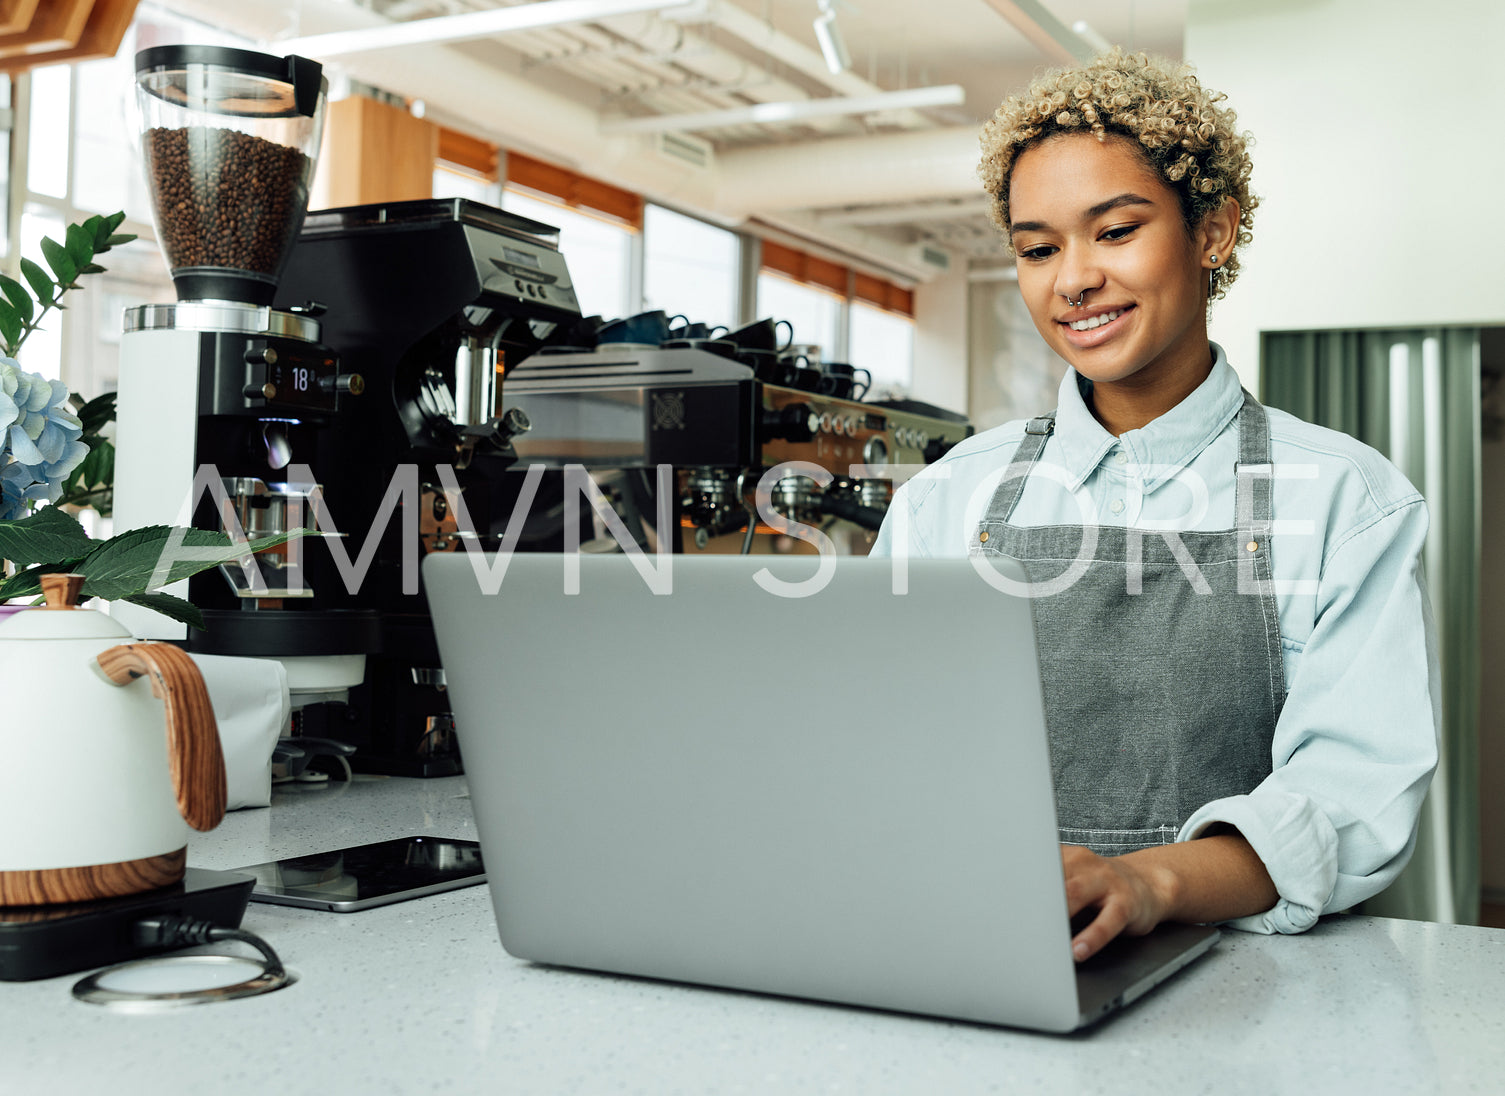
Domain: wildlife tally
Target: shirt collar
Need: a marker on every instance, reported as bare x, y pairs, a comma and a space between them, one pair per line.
1165, 445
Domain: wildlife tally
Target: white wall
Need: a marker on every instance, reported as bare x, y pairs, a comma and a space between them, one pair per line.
1378, 159
940, 340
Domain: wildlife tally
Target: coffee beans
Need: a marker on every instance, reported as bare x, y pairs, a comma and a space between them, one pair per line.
225, 198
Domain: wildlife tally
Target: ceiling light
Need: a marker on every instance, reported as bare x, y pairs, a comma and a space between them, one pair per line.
474, 24
1088, 34
943, 95
832, 48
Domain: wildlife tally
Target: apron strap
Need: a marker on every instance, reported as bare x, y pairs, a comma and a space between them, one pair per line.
1253, 475
1036, 431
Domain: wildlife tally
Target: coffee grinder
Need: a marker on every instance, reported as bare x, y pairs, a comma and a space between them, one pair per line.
222, 398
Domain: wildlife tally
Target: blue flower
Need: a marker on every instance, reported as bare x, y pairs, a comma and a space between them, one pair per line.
39, 438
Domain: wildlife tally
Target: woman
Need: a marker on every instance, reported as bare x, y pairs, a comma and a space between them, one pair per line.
1237, 663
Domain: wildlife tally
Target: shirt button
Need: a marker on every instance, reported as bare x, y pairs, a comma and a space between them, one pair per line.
1117, 506
1121, 458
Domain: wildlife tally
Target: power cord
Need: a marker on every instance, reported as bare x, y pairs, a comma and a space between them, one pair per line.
170, 932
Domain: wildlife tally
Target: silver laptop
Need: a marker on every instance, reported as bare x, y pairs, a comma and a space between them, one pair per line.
774, 774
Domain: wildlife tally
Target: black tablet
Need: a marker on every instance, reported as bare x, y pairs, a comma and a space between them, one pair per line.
363, 876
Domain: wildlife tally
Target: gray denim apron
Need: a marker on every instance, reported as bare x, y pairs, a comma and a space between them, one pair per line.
1161, 701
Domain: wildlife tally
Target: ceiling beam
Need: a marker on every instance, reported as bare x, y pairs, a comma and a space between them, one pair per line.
1047, 33
470, 25
908, 213
798, 111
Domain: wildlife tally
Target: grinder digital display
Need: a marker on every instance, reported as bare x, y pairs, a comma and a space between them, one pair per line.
303, 378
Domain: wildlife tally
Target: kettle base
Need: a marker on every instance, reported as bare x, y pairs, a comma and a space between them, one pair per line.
50, 886
46, 941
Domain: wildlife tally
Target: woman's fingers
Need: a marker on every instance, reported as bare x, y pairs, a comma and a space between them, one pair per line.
1108, 923
1112, 888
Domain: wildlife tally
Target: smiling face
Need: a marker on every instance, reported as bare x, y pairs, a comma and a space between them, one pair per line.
1092, 221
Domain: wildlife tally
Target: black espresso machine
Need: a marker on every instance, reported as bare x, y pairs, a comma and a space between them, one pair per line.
719, 443
416, 308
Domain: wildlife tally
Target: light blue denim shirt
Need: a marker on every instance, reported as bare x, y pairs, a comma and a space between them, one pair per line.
1356, 743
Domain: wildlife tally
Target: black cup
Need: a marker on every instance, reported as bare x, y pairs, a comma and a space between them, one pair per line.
724, 347
763, 335
806, 377
765, 364
645, 327
698, 331
839, 379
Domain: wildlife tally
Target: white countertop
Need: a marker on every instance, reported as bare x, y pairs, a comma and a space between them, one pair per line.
419, 997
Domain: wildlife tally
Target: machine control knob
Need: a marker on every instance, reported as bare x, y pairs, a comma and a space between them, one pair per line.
352, 383
266, 391
261, 355
938, 448
796, 422
515, 421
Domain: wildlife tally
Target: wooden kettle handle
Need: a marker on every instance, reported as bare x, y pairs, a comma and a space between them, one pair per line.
193, 750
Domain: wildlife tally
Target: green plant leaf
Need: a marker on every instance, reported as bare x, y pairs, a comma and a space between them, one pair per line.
16, 294
96, 413
28, 583
37, 278
94, 471
116, 241
115, 220
61, 262
92, 268
80, 245
48, 536
10, 326
124, 565
170, 606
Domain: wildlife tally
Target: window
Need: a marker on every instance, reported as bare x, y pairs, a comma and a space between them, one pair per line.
453, 182
815, 313
689, 267
599, 253
110, 174
80, 158
47, 147
882, 342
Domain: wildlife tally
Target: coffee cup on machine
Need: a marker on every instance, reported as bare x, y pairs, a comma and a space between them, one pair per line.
698, 330
839, 379
764, 363
807, 377
763, 335
650, 328
724, 347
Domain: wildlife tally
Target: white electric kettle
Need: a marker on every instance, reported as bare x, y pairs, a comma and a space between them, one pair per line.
95, 801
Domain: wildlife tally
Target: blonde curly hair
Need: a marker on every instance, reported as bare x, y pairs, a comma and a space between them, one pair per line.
1173, 121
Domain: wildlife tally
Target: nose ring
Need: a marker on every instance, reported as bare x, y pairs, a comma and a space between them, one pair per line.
1082, 296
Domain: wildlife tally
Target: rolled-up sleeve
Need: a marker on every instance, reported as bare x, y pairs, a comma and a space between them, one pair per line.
1356, 743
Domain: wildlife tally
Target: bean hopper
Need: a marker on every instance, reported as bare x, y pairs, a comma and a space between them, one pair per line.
221, 396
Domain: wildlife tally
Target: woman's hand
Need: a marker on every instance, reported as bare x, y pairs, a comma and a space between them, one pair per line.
1128, 896
1216, 877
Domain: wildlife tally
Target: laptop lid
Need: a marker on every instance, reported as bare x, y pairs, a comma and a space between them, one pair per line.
765, 773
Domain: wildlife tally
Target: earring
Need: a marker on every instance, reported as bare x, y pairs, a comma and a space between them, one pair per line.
1214, 258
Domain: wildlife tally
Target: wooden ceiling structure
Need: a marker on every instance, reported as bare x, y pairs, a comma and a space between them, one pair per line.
49, 32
